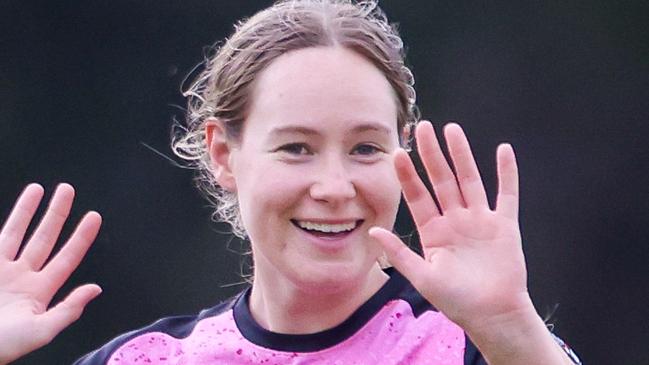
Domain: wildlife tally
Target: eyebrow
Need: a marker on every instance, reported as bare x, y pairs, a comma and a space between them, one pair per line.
310, 131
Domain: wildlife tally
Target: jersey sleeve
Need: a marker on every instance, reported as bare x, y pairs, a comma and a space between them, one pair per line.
571, 354
176, 327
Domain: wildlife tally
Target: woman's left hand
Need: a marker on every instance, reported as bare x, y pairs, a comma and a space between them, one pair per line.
473, 269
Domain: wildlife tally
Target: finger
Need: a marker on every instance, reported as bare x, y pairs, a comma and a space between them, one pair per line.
466, 169
64, 313
21, 215
421, 204
440, 174
59, 269
507, 201
40, 245
405, 260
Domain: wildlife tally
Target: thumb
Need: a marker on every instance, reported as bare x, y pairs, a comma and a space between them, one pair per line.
57, 318
405, 260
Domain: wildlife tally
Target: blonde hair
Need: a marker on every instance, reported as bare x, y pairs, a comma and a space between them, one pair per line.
224, 87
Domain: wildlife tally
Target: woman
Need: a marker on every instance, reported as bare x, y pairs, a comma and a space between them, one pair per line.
296, 127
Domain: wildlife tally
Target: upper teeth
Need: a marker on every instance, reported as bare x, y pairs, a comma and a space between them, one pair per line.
328, 228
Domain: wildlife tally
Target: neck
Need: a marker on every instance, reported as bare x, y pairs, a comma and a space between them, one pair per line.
282, 307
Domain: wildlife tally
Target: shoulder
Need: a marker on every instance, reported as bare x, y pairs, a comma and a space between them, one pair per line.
157, 339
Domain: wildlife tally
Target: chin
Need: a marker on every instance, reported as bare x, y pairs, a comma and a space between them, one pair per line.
331, 277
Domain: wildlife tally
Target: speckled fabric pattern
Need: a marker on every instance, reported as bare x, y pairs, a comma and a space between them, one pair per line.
392, 336
395, 326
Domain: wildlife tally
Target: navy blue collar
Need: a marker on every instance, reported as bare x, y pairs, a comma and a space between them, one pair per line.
256, 334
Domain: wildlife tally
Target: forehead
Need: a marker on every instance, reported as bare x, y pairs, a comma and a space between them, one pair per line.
321, 87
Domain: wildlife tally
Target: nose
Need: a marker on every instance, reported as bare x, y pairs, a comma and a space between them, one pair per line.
333, 183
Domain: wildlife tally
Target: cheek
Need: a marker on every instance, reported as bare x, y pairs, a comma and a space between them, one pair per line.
267, 192
382, 193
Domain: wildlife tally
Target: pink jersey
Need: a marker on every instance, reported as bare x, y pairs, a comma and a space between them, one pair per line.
395, 326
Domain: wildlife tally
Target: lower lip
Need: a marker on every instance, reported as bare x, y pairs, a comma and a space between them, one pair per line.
329, 242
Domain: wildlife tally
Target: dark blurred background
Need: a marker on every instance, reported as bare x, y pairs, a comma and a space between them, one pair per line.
85, 85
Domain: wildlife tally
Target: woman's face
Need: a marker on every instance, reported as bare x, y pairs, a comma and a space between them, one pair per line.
313, 171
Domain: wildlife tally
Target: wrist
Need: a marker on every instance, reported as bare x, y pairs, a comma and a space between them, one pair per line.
514, 318
519, 336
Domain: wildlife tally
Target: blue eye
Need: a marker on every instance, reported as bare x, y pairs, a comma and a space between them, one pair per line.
295, 149
366, 150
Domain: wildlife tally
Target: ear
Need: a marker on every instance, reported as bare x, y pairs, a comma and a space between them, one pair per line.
405, 135
220, 151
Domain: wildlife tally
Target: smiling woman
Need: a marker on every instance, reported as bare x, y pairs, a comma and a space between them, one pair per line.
330, 115
226, 87
296, 128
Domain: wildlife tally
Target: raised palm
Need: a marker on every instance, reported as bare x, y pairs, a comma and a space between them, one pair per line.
28, 284
473, 268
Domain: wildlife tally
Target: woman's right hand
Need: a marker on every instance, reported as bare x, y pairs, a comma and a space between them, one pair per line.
28, 283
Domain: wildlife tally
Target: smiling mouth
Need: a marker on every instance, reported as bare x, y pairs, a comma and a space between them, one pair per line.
327, 229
